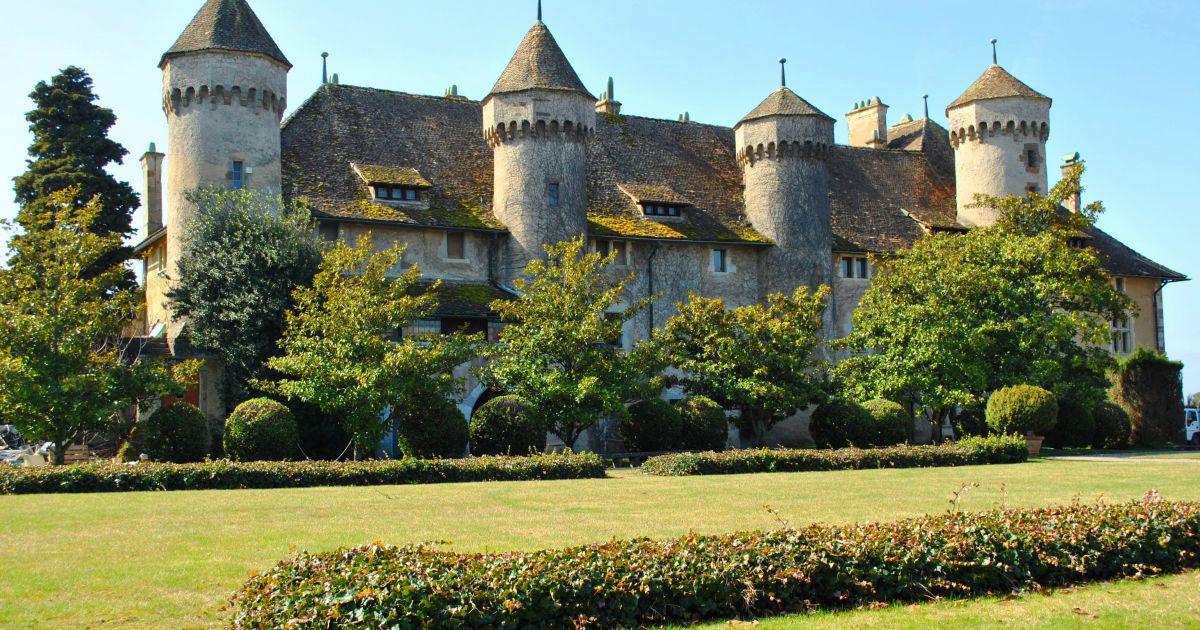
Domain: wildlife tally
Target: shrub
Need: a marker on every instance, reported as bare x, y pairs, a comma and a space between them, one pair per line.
178, 434
965, 452
261, 429
1113, 426
1074, 428
436, 430
227, 475
1021, 409
893, 425
705, 426
969, 421
321, 434
1149, 387
504, 426
652, 425
639, 583
841, 423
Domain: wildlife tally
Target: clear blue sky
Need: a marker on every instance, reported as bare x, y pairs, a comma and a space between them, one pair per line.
1122, 76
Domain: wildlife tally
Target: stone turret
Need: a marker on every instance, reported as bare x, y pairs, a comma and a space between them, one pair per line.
224, 94
998, 128
538, 119
781, 147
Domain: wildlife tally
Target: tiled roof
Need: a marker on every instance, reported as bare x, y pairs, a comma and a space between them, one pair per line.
226, 25
539, 63
783, 102
397, 175
995, 82
457, 299
882, 199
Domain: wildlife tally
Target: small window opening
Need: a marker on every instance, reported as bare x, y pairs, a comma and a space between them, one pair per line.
720, 258
239, 180
397, 193
552, 194
328, 231
456, 245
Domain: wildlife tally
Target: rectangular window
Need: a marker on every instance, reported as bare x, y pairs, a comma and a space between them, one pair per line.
464, 325
603, 247
410, 194
720, 259
847, 267
1119, 283
383, 192
618, 248
238, 175
862, 267
328, 231
1122, 338
552, 194
456, 246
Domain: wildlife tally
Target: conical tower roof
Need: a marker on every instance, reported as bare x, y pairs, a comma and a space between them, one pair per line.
783, 102
996, 82
539, 64
226, 25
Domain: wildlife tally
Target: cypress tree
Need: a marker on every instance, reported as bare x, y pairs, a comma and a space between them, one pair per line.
71, 147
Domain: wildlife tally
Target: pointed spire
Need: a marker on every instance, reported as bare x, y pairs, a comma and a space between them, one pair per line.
539, 63
229, 25
995, 82
324, 68
994, 62
783, 102
783, 73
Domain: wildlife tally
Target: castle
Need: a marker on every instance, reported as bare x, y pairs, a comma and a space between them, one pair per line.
476, 188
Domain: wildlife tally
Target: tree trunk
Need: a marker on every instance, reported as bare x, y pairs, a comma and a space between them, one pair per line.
60, 451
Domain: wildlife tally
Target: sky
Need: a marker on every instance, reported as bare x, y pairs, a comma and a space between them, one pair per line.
1122, 76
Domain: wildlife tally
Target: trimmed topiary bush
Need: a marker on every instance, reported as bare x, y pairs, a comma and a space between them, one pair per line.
504, 426
1022, 410
261, 429
652, 425
1149, 387
893, 425
841, 423
436, 430
1074, 428
177, 434
1113, 426
705, 426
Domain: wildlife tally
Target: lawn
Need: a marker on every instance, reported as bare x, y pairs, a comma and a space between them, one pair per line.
170, 559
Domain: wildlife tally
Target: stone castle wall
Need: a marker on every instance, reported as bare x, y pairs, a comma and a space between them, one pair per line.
992, 139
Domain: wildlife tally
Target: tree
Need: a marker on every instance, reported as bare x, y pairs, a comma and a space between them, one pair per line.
65, 369
760, 359
559, 353
339, 347
71, 149
1194, 401
958, 316
244, 256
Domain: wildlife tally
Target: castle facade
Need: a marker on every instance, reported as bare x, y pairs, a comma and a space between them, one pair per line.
475, 189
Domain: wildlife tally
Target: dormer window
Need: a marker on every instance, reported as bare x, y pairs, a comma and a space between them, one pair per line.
397, 193
661, 210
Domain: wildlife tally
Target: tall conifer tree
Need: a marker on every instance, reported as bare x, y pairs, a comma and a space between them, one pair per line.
71, 148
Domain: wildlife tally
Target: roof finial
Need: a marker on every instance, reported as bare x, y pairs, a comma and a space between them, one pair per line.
994, 62
324, 68
926, 99
539, 10
783, 73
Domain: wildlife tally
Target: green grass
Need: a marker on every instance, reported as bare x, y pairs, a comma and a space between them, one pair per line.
170, 559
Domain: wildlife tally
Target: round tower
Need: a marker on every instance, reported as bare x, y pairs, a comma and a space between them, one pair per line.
998, 129
224, 94
538, 119
781, 147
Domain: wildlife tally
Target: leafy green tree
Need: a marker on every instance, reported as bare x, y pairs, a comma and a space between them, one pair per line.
760, 359
244, 256
339, 350
958, 316
559, 352
71, 149
65, 368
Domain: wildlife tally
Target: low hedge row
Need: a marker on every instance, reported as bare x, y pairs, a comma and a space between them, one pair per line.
224, 474
637, 582
965, 452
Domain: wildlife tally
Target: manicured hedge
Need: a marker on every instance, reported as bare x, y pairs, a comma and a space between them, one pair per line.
965, 452
634, 583
224, 474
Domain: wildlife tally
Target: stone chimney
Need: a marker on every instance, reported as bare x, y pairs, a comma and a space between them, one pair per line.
152, 195
607, 104
868, 124
1071, 160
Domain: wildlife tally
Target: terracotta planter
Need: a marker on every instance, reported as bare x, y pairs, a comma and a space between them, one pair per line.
1034, 444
